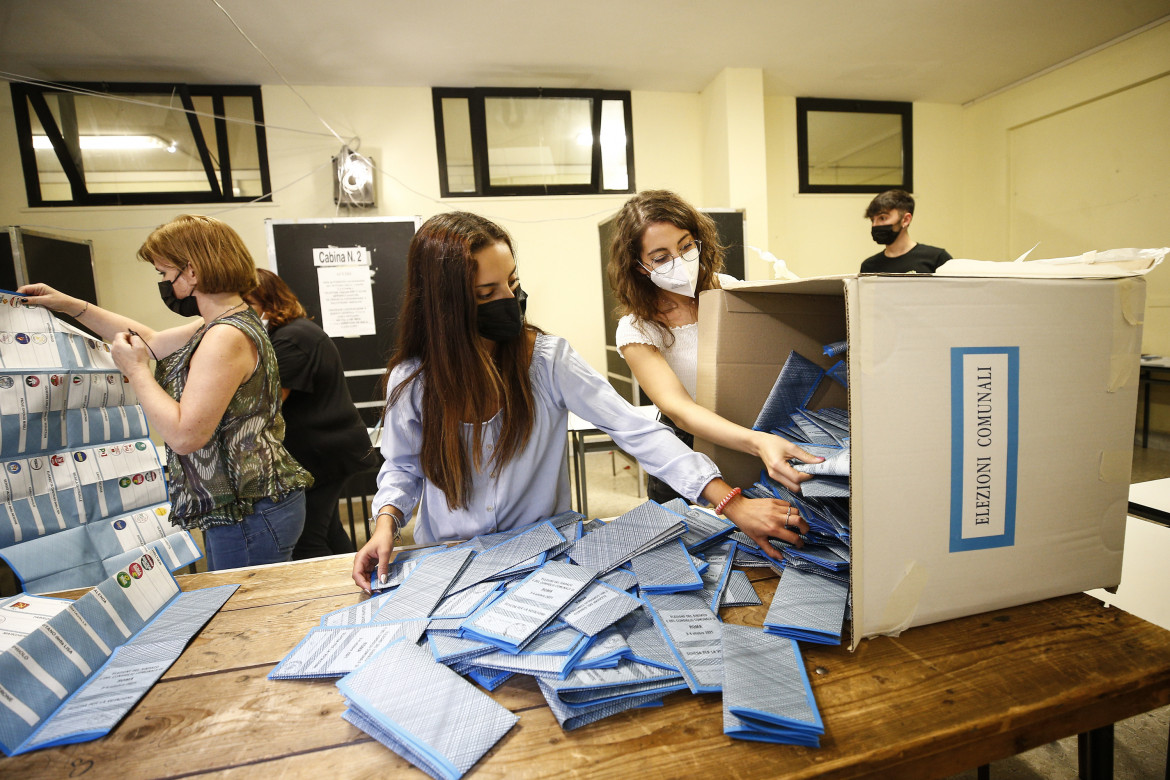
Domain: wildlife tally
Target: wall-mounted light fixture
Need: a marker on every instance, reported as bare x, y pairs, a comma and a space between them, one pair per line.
353, 180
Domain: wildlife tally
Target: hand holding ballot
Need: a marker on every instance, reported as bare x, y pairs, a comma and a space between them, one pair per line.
776, 452
374, 557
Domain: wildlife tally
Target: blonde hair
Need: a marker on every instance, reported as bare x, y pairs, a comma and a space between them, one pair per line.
216, 252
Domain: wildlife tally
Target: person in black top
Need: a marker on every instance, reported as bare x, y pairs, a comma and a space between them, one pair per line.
889, 215
324, 431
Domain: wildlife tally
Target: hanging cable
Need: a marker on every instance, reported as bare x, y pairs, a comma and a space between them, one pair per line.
278, 73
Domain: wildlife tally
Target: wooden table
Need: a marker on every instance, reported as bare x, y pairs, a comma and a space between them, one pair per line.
938, 700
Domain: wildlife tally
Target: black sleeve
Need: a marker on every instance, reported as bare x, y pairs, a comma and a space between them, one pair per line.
943, 256
294, 364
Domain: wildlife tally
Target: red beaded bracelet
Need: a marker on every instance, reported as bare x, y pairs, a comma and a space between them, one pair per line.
727, 500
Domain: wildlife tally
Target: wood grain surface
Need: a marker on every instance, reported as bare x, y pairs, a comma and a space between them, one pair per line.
937, 700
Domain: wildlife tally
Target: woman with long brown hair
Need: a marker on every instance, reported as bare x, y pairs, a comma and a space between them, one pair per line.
664, 253
478, 402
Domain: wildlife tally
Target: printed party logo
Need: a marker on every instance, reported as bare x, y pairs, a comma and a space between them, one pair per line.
13, 467
119, 525
124, 579
7, 382
32, 381
79, 457
22, 338
56, 460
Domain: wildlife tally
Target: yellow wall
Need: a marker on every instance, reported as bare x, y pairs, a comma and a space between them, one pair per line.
727, 146
1078, 160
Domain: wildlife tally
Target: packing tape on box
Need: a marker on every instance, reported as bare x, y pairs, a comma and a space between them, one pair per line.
1130, 304
1115, 466
902, 604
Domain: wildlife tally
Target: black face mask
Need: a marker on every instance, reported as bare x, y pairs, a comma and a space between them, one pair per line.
503, 319
884, 234
186, 307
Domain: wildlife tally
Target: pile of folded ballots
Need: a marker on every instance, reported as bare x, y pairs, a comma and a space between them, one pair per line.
606, 616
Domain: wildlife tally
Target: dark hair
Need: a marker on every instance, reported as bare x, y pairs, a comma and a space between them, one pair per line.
890, 200
464, 380
276, 299
221, 261
634, 291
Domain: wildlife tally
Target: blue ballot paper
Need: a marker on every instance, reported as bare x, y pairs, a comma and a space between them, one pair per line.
808, 607
516, 617
335, 651
667, 568
766, 692
692, 631
74, 676
642, 528
423, 711
81, 556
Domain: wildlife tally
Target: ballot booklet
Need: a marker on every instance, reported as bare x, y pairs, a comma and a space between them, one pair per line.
71, 670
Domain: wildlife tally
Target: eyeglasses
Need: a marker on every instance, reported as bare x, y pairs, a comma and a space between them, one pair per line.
663, 263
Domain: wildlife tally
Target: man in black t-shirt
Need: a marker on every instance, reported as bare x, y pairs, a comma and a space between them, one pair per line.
889, 215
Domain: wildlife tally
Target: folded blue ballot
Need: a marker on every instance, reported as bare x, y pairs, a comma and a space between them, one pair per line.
515, 618
667, 568
808, 608
528, 545
691, 630
423, 711
75, 668
642, 528
766, 692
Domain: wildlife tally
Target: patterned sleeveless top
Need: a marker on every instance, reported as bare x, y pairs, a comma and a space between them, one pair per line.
245, 460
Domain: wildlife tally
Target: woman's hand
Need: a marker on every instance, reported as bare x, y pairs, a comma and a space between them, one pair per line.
130, 353
776, 451
761, 518
44, 295
374, 555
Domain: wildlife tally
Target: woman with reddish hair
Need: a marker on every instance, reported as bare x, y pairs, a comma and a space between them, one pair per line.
214, 395
324, 431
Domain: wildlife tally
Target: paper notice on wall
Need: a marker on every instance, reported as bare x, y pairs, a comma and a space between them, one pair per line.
347, 297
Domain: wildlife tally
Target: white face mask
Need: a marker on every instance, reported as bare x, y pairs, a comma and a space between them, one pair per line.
682, 276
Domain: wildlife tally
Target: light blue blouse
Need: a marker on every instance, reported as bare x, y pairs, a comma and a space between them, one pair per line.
535, 484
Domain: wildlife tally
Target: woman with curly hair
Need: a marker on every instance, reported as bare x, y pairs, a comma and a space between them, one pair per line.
664, 253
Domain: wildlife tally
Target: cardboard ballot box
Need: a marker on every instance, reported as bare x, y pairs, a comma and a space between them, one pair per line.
991, 420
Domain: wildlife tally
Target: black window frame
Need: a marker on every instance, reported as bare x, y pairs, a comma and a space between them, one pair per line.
219, 188
479, 150
905, 110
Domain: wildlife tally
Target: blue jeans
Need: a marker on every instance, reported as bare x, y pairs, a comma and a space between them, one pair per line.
268, 535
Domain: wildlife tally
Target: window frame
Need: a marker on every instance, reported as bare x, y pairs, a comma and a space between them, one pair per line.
903, 109
479, 148
219, 188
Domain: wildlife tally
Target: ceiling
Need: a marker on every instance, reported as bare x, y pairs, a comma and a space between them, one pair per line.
949, 51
